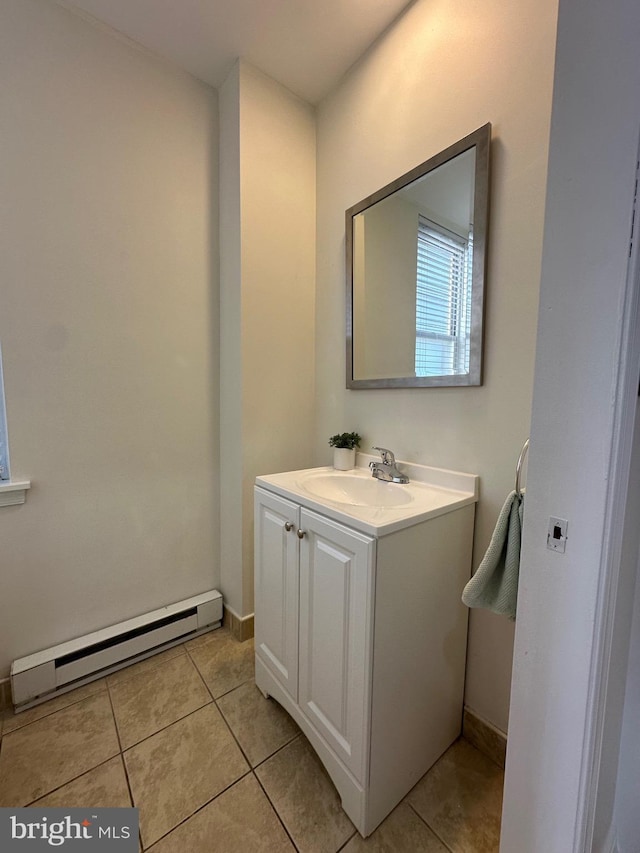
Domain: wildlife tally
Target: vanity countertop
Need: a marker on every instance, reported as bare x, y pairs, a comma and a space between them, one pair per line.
374, 507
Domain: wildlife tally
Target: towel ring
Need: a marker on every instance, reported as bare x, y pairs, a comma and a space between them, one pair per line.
523, 453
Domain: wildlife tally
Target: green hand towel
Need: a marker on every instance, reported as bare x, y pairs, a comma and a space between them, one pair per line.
495, 583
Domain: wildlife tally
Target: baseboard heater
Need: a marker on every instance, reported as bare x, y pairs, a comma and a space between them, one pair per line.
40, 676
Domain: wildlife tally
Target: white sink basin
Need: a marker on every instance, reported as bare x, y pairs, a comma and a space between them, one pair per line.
355, 490
356, 498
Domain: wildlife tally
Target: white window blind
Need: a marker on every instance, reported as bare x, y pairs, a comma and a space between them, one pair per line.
4, 443
443, 301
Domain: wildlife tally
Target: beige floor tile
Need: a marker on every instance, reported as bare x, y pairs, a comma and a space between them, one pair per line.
16, 721
223, 662
260, 725
303, 795
46, 754
203, 639
461, 800
239, 821
157, 697
175, 772
145, 665
401, 832
103, 787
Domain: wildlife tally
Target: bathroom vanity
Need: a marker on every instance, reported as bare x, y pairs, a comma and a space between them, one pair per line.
360, 632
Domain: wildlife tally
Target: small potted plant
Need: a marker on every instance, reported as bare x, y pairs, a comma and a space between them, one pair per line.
344, 450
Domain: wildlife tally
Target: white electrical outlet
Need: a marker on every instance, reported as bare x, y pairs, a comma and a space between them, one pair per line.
557, 535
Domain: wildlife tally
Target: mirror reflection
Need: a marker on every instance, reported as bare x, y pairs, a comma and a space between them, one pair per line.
415, 262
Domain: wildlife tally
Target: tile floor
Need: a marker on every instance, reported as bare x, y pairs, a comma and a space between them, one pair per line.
213, 766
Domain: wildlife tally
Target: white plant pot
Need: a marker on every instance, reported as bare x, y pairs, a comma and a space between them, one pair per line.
344, 458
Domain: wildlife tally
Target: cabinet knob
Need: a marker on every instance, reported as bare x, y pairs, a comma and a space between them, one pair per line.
302, 534
288, 526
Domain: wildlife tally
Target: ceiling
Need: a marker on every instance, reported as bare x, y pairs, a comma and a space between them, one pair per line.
307, 45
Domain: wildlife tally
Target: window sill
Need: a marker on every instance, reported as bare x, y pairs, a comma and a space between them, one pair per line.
12, 493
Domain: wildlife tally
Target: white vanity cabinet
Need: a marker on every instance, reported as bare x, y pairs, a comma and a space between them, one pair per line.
313, 613
277, 588
362, 639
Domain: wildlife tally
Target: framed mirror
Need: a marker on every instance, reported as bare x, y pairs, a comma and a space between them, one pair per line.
416, 253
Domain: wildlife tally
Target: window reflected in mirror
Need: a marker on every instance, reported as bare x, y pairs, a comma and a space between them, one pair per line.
415, 274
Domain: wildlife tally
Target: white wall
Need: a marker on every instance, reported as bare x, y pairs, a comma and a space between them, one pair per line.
231, 390
618, 670
267, 302
592, 169
626, 812
384, 339
108, 323
442, 71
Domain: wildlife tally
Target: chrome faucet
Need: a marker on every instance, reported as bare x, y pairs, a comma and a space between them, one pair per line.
387, 470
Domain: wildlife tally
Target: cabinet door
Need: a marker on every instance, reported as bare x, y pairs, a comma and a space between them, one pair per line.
336, 620
276, 586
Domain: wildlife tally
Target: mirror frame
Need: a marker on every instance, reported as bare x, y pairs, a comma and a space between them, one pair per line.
480, 140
